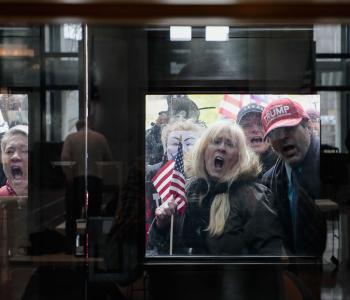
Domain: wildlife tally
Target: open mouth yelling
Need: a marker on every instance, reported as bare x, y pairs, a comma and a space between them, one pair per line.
219, 162
256, 140
289, 150
16, 172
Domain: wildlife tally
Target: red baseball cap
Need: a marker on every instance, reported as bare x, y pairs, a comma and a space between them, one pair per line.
282, 113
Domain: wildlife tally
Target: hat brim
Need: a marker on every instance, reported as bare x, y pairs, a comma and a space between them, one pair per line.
283, 123
250, 111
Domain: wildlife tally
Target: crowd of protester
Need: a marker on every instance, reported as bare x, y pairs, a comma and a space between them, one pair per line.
250, 188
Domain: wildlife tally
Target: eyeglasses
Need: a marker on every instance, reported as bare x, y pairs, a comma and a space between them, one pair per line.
279, 133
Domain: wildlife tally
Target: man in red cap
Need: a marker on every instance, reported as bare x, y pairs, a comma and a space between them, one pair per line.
295, 183
295, 177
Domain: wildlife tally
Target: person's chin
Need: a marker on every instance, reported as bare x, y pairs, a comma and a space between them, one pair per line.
258, 149
20, 183
293, 161
214, 175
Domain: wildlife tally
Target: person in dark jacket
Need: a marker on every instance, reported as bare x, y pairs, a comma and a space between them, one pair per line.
295, 183
228, 212
249, 118
295, 178
153, 140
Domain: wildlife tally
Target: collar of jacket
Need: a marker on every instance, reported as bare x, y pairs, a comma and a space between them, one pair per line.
310, 170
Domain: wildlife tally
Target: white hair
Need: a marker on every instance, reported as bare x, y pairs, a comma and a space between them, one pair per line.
18, 129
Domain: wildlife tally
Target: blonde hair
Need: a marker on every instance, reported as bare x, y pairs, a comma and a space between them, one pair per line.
180, 125
247, 165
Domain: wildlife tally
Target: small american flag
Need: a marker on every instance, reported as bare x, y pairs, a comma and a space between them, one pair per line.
178, 181
170, 181
230, 106
162, 180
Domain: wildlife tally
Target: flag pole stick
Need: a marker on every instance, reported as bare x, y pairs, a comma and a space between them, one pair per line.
171, 234
172, 216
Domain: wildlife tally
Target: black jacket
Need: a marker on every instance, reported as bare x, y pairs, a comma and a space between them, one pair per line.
311, 230
268, 160
252, 227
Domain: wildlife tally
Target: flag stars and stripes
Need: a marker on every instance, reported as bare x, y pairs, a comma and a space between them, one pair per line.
170, 181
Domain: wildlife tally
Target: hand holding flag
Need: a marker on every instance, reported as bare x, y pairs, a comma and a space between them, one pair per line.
164, 212
170, 184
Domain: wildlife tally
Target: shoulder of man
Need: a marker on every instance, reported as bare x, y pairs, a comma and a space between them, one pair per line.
273, 173
71, 136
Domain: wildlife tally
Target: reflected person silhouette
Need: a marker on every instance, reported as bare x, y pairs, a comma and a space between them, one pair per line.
82, 176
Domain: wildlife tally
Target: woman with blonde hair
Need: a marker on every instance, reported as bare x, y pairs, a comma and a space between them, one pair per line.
228, 211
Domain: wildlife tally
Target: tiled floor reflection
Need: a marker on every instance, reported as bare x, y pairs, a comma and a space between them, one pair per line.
339, 287
336, 282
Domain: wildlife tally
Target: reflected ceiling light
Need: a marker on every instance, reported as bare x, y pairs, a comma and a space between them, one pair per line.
180, 33
217, 33
15, 51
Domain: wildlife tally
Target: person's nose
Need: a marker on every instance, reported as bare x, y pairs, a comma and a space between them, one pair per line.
222, 146
256, 129
16, 155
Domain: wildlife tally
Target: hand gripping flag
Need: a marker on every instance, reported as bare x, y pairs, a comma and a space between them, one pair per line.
170, 181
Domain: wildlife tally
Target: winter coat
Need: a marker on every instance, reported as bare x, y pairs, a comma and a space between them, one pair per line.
311, 230
252, 227
268, 160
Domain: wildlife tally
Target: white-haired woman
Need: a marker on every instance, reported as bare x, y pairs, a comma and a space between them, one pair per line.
228, 212
14, 154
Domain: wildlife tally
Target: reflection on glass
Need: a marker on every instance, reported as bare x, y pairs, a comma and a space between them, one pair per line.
63, 38
328, 38
330, 116
66, 104
62, 71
